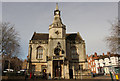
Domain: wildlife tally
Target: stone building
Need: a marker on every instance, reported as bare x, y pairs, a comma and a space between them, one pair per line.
59, 53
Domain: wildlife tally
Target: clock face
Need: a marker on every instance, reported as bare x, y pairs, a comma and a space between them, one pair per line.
57, 32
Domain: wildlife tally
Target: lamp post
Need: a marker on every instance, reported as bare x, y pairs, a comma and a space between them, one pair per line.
75, 75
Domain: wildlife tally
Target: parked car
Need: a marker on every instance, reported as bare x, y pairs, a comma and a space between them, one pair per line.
21, 72
8, 70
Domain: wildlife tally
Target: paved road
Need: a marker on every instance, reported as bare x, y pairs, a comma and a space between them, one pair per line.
63, 80
99, 78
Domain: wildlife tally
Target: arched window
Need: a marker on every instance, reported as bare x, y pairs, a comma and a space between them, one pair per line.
57, 51
73, 52
39, 53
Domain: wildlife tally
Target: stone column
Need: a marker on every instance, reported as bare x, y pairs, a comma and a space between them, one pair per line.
50, 68
67, 71
63, 70
73, 71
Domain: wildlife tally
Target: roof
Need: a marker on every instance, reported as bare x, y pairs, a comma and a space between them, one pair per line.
106, 56
45, 36
73, 36
40, 36
114, 55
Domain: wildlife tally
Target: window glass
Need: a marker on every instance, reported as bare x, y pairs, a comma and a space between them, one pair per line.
39, 53
73, 52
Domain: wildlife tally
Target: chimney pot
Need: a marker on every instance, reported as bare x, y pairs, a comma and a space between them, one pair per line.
108, 53
103, 54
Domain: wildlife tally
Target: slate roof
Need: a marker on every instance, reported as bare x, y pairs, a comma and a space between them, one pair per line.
114, 55
40, 36
73, 36
106, 56
45, 36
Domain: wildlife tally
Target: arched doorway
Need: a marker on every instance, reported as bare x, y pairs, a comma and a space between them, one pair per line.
71, 73
57, 69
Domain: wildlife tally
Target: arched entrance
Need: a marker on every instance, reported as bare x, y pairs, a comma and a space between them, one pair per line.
57, 69
71, 73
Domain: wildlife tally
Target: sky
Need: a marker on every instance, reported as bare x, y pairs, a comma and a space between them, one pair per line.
60, 0
90, 19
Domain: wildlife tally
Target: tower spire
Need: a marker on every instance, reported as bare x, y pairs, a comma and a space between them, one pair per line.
56, 6
57, 22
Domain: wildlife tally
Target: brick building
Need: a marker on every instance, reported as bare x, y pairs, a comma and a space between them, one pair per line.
91, 62
107, 63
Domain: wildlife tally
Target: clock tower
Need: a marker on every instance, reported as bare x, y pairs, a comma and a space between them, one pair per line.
57, 29
57, 34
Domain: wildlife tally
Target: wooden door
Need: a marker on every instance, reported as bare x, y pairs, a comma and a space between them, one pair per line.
56, 72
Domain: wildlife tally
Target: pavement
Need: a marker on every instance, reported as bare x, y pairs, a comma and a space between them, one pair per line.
63, 80
102, 77
97, 78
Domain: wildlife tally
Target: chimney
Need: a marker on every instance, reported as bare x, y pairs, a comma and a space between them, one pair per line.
103, 54
87, 55
95, 54
108, 53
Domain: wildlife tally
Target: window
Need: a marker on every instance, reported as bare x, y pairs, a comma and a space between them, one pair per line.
73, 52
57, 51
93, 63
92, 69
39, 53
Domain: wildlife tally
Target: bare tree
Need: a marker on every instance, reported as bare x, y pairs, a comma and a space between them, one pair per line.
113, 41
10, 41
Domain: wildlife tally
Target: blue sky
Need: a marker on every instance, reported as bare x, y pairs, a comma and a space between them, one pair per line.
90, 19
